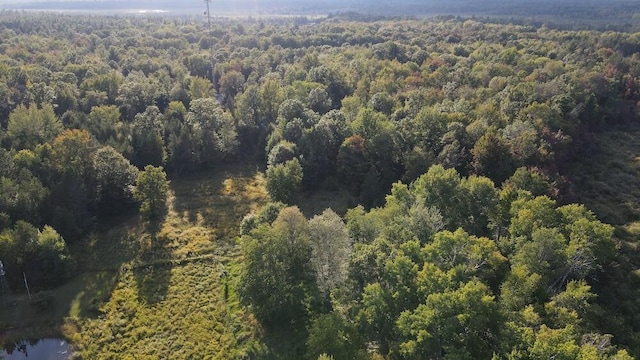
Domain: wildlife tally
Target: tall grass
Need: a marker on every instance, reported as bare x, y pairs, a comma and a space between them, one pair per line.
161, 291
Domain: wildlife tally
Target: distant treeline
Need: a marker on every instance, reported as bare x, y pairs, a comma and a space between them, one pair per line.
616, 15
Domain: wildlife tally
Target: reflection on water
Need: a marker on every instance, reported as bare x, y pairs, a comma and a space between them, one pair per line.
41, 349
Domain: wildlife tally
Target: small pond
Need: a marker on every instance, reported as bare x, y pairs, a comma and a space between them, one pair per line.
42, 349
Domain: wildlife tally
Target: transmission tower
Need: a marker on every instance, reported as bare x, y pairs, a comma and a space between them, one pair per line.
4, 287
210, 37
208, 15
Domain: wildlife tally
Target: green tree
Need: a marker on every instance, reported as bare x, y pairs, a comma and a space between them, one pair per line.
271, 96
31, 126
492, 157
545, 255
115, 179
102, 123
455, 148
200, 88
148, 144
43, 255
318, 101
22, 194
376, 315
251, 122
532, 180
382, 102
336, 87
481, 199
320, 147
52, 260
457, 324
284, 179
529, 214
72, 189
151, 191
523, 140
25, 241
213, 129
352, 165
137, 93
555, 344
72, 152
183, 150
277, 279
331, 250
468, 255
330, 334
422, 134
108, 84
66, 97
281, 153
440, 188
231, 83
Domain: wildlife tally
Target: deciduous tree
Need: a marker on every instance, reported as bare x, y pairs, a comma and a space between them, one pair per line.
284, 179
31, 126
331, 250
115, 179
278, 280
151, 191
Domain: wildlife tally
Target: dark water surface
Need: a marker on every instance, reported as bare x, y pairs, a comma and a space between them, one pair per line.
43, 349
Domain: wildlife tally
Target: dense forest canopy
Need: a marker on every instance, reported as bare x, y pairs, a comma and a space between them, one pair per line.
452, 141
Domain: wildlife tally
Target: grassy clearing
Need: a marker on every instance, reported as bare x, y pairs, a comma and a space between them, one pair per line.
158, 291
607, 179
162, 310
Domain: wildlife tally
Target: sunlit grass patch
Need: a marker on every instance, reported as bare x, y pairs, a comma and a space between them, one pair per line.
176, 296
192, 320
193, 241
218, 199
162, 290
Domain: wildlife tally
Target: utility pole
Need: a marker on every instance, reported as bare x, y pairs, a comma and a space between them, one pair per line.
26, 284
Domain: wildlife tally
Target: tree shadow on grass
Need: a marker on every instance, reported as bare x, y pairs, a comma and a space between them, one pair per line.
152, 269
98, 260
219, 198
114, 242
96, 291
